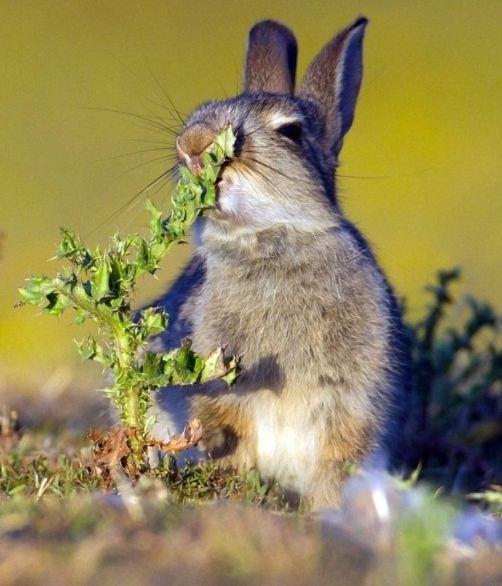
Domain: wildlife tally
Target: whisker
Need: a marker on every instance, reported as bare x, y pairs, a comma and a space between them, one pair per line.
268, 180
168, 145
248, 171
296, 179
134, 216
139, 82
151, 122
363, 176
397, 176
132, 153
263, 151
163, 120
149, 162
270, 167
133, 200
162, 89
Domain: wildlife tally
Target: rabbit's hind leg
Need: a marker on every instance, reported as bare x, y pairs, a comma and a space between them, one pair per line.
342, 454
228, 431
326, 488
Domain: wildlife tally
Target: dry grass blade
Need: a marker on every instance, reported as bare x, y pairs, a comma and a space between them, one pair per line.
8, 436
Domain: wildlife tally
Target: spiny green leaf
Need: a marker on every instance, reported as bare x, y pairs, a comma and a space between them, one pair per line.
87, 348
100, 285
156, 227
153, 322
72, 248
214, 365
37, 290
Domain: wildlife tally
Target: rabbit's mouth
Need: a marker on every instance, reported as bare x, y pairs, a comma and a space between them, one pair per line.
239, 202
221, 185
231, 195
225, 186
220, 210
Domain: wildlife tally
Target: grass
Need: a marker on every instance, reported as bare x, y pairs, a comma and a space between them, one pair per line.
200, 525
37, 464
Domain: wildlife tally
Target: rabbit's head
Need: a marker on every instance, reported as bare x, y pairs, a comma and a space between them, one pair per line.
287, 141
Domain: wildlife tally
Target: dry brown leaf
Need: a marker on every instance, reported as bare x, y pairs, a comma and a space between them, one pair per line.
112, 450
189, 437
109, 451
111, 447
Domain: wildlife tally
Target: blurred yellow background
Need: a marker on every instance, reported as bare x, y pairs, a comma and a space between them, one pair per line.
420, 165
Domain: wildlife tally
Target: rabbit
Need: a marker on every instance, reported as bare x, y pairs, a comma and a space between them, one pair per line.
283, 280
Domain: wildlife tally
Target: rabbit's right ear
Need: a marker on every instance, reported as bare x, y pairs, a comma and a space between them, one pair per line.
271, 59
332, 82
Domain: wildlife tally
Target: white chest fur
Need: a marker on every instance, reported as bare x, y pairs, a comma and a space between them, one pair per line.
288, 442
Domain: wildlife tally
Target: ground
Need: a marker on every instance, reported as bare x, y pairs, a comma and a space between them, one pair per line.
62, 523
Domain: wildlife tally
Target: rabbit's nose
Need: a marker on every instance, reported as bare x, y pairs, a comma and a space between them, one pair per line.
192, 143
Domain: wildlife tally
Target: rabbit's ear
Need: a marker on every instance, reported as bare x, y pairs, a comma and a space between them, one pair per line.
332, 82
271, 59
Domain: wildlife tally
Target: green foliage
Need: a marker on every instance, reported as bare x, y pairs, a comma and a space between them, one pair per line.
206, 481
492, 499
100, 284
36, 463
420, 534
34, 475
52, 514
455, 430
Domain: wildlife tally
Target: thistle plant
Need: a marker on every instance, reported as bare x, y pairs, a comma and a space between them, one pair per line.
98, 285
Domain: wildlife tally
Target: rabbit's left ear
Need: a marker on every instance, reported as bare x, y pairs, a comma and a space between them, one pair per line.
271, 59
332, 82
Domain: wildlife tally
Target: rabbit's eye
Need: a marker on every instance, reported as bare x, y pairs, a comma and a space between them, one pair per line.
291, 131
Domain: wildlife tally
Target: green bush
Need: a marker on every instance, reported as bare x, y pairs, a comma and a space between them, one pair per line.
455, 428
